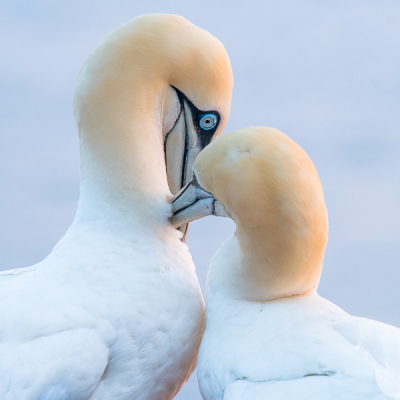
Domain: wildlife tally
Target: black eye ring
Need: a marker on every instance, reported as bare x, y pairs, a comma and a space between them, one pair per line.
208, 121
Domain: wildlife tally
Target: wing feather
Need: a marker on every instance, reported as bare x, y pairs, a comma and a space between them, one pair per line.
306, 388
65, 365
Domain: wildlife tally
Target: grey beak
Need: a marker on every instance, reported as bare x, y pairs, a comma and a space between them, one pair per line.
193, 202
175, 154
183, 144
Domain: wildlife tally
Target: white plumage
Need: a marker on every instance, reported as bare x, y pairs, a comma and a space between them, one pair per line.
299, 348
101, 318
116, 311
269, 336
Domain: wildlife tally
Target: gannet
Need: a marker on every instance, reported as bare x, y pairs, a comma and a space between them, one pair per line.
268, 334
116, 311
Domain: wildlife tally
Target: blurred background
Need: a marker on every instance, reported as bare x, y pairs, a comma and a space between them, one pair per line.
327, 73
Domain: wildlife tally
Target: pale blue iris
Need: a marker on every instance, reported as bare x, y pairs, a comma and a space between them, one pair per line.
208, 121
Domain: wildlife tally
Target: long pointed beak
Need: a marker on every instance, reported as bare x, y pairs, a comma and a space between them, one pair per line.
182, 145
193, 202
175, 154
193, 145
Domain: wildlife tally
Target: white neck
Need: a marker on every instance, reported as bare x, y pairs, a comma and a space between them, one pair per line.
123, 171
249, 276
124, 187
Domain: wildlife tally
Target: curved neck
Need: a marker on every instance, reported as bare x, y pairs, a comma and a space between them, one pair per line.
123, 203
279, 263
122, 156
252, 266
119, 99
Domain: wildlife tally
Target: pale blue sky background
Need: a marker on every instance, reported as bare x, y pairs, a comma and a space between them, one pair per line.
327, 73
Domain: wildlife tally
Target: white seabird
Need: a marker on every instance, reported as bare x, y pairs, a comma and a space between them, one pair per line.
115, 311
268, 333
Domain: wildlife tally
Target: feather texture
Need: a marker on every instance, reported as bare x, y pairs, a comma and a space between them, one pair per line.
116, 311
268, 334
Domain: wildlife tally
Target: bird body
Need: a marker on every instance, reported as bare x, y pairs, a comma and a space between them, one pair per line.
268, 334
301, 347
116, 311
101, 317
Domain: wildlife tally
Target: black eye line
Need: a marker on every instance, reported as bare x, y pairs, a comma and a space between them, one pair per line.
198, 114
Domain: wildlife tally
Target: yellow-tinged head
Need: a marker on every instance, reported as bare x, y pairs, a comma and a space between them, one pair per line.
271, 188
138, 103
152, 51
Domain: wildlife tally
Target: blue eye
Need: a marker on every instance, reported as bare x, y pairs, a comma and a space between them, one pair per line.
208, 121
